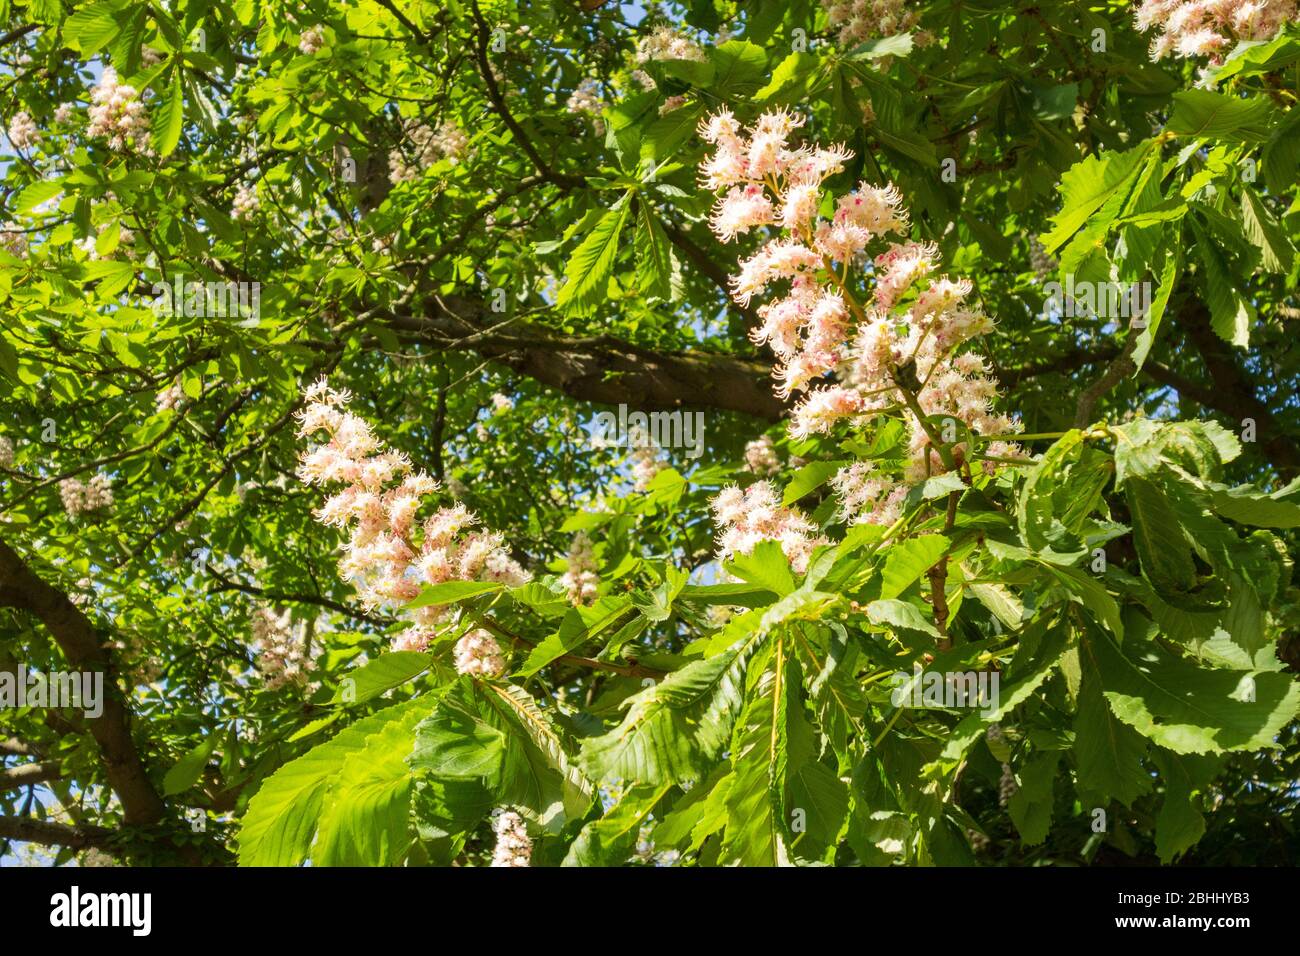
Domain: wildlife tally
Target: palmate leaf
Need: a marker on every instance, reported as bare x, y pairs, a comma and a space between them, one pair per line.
490, 743
365, 815
1030, 807
1187, 708
780, 796
1088, 185
612, 838
538, 772
1107, 751
1143, 446
1180, 825
675, 729
283, 816
589, 268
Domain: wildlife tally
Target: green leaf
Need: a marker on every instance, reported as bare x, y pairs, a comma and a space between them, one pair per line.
454, 742
1030, 806
1187, 708
739, 67
1088, 184
282, 817
1109, 752
1204, 114
654, 267
538, 773
900, 614
611, 839
765, 566
1180, 825
1156, 313
113, 275
810, 477
169, 119
1276, 252
759, 820
91, 29
1162, 547
572, 633
587, 274
35, 194
365, 811
187, 771
908, 561
450, 592
673, 730
898, 45
379, 675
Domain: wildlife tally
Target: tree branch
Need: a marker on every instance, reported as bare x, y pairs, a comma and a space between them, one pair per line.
76, 637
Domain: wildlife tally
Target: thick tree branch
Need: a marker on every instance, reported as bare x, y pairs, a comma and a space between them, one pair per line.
1233, 391
81, 646
29, 774
49, 833
600, 368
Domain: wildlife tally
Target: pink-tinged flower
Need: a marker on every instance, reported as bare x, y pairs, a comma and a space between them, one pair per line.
384, 557
761, 458
721, 129
747, 518
841, 241
783, 320
479, 655
116, 114
800, 207
513, 846
818, 413
1209, 27
879, 211
740, 210
899, 267
580, 579
413, 639
281, 652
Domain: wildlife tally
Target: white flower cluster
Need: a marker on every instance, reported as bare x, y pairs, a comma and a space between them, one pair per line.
169, 398
22, 131
665, 43
585, 100
389, 554
13, 240
246, 202
513, 846
6, 452
1042, 264
429, 145
281, 659
1211, 28
580, 580
645, 459
117, 114
312, 40
861, 20
761, 458
479, 655
81, 497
